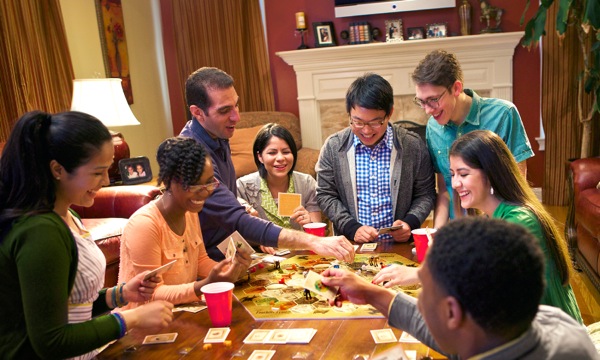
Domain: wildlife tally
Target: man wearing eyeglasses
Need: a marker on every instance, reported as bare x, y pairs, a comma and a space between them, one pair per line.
374, 175
455, 111
213, 103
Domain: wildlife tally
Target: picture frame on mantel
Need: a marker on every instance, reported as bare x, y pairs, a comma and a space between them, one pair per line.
416, 33
393, 31
324, 34
113, 43
437, 30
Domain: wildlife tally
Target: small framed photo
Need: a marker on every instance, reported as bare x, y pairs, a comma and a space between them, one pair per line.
416, 33
324, 34
135, 170
393, 31
438, 30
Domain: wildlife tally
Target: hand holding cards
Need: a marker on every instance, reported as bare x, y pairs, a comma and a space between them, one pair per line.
387, 230
235, 243
159, 270
313, 283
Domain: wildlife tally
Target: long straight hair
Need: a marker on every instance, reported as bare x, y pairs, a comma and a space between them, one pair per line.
26, 183
485, 150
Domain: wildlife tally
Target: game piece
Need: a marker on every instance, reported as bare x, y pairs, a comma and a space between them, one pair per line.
307, 294
207, 346
277, 264
227, 343
282, 281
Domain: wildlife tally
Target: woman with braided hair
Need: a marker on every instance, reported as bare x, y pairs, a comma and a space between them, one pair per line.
168, 228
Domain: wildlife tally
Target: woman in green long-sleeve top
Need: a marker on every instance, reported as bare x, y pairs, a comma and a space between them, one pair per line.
486, 177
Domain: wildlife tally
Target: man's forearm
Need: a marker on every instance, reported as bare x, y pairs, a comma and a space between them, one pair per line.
293, 239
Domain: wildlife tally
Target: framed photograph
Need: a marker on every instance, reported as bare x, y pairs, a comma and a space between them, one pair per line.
438, 30
135, 170
393, 30
324, 34
416, 33
113, 43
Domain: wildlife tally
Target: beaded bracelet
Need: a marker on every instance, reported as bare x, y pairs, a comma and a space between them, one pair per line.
114, 297
122, 324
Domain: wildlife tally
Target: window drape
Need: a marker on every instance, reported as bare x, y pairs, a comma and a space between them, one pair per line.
227, 34
35, 64
561, 64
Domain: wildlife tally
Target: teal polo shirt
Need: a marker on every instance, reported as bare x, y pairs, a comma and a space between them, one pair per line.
497, 115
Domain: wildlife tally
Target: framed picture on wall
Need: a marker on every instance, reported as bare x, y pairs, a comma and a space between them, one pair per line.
393, 30
438, 30
324, 34
135, 170
416, 33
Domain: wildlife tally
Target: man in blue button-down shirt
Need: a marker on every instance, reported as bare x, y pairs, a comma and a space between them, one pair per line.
455, 111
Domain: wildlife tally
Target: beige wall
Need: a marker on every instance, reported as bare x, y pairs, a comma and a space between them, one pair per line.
146, 64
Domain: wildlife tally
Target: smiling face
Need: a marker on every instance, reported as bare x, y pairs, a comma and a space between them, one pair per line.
367, 135
222, 115
81, 185
277, 158
472, 185
193, 201
446, 104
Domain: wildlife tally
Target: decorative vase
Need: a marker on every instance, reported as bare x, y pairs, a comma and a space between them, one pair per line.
464, 12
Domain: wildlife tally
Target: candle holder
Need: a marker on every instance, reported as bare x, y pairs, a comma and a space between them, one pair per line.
302, 44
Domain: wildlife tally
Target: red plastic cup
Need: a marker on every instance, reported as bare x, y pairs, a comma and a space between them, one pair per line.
218, 300
421, 242
317, 229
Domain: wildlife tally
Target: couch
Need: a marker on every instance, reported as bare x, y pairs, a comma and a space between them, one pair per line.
583, 218
106, 218
243, 139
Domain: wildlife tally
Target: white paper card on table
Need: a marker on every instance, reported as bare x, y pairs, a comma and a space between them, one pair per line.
301, 336
277, 336
160, 339
262, 355
382, 336
407, 338
287, 203
368, 247
216, 335
394, 353
257, 336
313, 283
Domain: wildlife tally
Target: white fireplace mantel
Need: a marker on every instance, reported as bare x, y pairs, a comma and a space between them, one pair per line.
325, 73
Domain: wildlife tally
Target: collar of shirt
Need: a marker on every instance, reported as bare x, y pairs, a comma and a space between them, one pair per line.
473, 115
386, 141
212, 143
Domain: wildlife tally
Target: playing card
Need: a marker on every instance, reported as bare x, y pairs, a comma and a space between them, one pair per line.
159, 270
277, 336
190, 308
216, 335
160, 339
262, 355
382, 336
313, 283
281, 252
301, 336
287, 203
257, 336
231, 249
368, 247
240, 243
394, 353
386, 230
407, 338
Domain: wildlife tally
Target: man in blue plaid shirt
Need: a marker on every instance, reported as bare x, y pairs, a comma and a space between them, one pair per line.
374, 174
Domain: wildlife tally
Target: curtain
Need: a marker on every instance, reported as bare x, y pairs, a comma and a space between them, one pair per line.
561, 64
35, 65
227, 34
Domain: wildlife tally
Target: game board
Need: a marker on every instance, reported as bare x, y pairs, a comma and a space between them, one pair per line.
273, 293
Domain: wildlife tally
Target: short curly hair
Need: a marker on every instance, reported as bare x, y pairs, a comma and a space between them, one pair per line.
438, 68
180, 159
495, 270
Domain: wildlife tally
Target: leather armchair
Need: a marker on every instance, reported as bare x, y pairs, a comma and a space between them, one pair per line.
583, 219
107, 217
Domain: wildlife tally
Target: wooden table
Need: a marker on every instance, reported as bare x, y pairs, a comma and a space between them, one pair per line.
335, 339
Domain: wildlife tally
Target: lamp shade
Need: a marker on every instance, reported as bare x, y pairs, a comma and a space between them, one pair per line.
104, 99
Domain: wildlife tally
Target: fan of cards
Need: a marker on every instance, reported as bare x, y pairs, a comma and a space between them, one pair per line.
233, 244
280, 336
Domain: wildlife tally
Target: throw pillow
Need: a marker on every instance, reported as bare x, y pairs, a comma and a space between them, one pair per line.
241, 150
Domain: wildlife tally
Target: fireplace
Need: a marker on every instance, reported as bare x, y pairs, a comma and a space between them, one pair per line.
324, 74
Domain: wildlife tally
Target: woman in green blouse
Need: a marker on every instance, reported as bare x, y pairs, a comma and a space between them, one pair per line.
485, 177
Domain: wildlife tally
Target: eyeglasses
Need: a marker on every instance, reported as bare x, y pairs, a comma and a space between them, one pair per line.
433, 103
375, 124
206, 187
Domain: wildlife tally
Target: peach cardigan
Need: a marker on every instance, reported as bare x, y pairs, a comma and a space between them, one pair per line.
149, 242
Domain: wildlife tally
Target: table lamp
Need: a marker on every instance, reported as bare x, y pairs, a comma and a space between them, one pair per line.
105, 100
